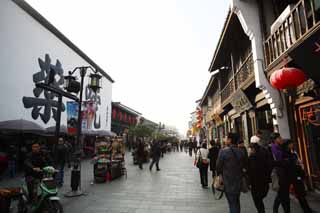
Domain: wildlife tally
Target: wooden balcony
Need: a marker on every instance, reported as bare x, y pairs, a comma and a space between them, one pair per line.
245, 72
243, 76
301, 21
228, 90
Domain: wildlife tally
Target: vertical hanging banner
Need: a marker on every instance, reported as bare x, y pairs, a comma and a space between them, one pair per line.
72, 116
88, 114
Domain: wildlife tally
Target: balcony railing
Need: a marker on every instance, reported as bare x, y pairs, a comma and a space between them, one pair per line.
301, 20
242, 76
228, 90
245, 71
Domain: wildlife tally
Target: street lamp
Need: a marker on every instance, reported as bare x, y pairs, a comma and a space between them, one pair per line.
73, 86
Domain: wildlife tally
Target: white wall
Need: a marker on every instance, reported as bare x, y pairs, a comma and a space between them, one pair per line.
22, 41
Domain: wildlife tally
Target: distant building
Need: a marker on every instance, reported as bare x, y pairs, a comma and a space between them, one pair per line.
123, 118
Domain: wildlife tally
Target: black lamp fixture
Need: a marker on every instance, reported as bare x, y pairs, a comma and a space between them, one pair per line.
71, 84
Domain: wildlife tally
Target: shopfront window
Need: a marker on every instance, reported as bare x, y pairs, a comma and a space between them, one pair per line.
310, 116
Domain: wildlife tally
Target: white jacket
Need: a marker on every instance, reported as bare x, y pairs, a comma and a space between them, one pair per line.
204, 154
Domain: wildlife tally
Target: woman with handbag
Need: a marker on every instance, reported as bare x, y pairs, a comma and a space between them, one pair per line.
202, 162
230, 164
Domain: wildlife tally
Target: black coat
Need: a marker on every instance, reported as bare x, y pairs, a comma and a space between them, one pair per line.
213, 155
39, 160
259, 168
156, 150
61, 154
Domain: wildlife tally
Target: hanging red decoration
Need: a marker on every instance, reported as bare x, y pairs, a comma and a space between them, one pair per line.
120, 116
125, 117
114, 114
287, 77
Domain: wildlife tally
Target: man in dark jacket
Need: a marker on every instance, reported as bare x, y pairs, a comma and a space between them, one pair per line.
61, 157
156, 154
213, 155
282, 168
259, 171
140, 153
230, 164
12, 161
35, 161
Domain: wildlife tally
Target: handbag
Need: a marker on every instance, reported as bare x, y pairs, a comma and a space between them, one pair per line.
244, 187
199, 161
218, 183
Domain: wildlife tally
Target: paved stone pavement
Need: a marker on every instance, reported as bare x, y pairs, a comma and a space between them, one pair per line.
176, 188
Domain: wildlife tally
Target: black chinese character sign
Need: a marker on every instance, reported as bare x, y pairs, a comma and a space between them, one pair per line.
44, 102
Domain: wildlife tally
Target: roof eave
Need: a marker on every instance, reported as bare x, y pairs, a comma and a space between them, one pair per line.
224, 29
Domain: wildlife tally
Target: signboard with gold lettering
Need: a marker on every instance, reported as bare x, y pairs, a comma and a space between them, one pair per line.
240, 102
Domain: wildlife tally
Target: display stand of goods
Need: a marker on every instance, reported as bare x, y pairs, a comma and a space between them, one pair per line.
101, 170
115, 169
101, 163
9, 198
118, 153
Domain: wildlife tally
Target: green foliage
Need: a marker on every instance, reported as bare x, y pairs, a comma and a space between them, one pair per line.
141, 131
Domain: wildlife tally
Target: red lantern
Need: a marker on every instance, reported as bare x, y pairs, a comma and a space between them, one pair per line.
287, 77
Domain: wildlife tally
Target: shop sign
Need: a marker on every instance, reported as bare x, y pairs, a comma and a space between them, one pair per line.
240, 102
216, 117
306, 87
311, 114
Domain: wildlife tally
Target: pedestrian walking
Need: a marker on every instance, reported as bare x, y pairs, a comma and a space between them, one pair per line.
202, 162
243, 148
181, 146
213, 155
140, 153
190, 146
156, 154
12, 161
230, 163
259, 171
61, 158
297, 177
281, 166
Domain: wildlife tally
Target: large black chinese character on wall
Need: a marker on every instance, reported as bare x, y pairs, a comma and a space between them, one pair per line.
44, 102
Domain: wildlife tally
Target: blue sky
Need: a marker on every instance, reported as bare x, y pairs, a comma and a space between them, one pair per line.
157, 51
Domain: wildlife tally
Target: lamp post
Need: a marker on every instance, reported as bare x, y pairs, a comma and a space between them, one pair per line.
73, 86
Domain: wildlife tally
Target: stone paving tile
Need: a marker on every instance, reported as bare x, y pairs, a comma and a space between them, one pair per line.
175, 189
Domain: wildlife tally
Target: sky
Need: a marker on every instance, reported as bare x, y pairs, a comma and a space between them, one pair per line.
157, 51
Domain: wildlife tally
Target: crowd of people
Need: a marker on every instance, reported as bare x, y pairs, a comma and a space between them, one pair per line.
275, 164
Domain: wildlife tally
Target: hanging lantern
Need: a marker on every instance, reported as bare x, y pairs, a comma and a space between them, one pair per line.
95, 83
287, 78
70, 84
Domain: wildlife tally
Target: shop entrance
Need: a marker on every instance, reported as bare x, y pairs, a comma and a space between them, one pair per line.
309, 142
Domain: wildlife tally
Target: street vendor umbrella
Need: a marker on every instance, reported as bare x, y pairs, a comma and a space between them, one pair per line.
89, 132
52, 129
20, 126
105, 133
